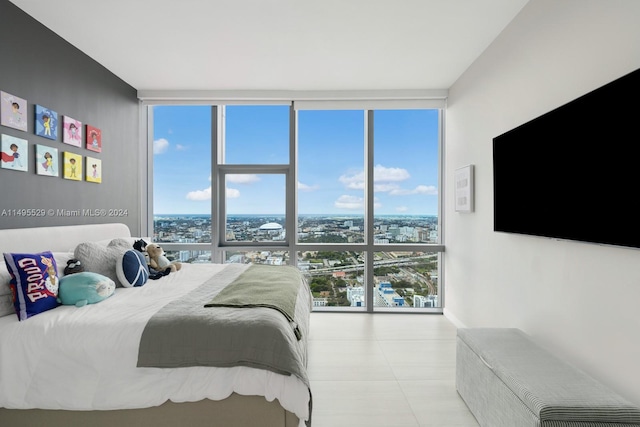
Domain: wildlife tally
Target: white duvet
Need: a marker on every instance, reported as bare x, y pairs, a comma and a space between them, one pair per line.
85, 358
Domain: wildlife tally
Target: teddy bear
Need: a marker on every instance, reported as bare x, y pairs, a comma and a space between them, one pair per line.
141, 246
158, 261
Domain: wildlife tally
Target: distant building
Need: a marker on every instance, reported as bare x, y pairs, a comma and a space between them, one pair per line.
429, 301
387, 296
320, 302
236, 259
355, 295
304, 265
273, 230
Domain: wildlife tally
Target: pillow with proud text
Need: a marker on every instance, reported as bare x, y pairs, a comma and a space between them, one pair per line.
34, 282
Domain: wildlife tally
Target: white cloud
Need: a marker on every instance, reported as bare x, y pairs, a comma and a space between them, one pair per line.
232, 193
242, 178
383, 178
305, 187
402, 209
386, 181
383, 174
428, 190
160, 146
385, 188
349, 202
199, 195
181, 147
353, 182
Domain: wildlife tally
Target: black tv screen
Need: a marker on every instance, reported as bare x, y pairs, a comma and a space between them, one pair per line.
574, 172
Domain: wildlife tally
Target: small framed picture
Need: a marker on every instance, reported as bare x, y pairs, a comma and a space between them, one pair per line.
47, 162
72, 131
14, 153
72, 166
94, 139
13, 111
46, 122
464, 189
94, 170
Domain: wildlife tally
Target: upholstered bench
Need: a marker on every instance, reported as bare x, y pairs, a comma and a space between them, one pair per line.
508, 380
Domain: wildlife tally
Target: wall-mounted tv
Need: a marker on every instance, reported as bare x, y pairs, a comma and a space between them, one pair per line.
574, 172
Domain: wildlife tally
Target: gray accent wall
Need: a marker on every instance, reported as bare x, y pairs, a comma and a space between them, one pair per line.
41, 67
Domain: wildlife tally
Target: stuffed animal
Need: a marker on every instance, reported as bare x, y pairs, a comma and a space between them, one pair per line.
73, 266
84, 288
158, 261
141, 246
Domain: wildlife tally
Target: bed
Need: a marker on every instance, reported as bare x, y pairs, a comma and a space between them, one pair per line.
86, 366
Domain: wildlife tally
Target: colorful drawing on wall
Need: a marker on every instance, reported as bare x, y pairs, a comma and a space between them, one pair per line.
14, 153
47, 162
72, 166
94, 169
46, 122
13, 111
72, 133
94, 139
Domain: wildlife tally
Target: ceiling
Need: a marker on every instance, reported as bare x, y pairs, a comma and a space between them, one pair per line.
279, 44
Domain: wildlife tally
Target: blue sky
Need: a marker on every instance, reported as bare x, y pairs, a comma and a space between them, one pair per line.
330, 160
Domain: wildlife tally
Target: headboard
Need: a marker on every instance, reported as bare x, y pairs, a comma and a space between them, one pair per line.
63, 238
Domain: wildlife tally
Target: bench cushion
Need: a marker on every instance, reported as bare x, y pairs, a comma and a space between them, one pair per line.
551, 388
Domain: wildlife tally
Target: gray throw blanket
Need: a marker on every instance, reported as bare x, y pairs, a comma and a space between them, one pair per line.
264, 286
186, 333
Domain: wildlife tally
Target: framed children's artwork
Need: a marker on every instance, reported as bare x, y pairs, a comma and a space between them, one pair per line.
94, 170
94, 139
46, 122
47, 162
14, 153
72, 166
13, 111
72, 131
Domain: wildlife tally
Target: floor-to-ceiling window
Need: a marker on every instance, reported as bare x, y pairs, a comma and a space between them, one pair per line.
351, 196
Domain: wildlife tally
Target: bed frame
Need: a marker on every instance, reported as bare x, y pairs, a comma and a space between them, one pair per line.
234, 411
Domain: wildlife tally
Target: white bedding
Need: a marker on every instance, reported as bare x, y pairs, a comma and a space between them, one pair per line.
49, 361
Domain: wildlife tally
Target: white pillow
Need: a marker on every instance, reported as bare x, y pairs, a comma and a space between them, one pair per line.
5, 278
61, 261
6, 300
6, 305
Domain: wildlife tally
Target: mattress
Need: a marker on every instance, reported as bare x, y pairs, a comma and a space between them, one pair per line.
84, 358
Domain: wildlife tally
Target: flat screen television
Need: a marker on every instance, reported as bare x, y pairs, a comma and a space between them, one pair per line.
574, 172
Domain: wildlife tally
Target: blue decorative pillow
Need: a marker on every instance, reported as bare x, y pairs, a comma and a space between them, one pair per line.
84, 288
132, 269
34, 282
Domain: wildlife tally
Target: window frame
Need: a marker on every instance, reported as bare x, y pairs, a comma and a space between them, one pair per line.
219, 246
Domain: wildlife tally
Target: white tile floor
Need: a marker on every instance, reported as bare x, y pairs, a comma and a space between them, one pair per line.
384, 370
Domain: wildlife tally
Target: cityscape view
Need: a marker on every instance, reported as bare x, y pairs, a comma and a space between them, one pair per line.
235, 160
401, 278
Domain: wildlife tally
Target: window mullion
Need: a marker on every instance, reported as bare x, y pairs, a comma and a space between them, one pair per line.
369, 203
291, 218
217, 157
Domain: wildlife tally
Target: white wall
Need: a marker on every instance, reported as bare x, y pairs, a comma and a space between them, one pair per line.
579, 300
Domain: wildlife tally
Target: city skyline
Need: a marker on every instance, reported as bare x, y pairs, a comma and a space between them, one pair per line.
330, 160
401, 278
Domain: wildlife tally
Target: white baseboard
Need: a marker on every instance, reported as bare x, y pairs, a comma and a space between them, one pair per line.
458, 324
